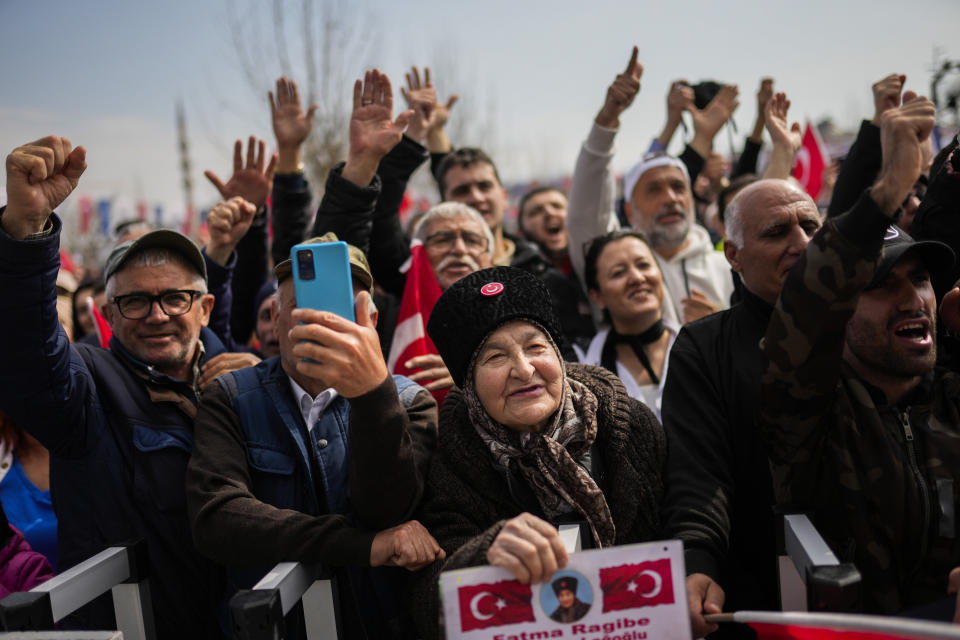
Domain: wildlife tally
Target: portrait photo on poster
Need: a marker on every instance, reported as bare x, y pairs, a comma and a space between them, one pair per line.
568, 596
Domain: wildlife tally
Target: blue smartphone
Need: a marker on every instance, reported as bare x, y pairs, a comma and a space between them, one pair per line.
321, 278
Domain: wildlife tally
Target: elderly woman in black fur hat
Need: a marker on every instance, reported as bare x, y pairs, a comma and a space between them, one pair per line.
527, 441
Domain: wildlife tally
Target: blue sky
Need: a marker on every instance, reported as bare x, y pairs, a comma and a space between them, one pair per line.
108, 73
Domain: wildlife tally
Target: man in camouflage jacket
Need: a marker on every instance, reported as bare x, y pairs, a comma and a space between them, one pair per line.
860, 427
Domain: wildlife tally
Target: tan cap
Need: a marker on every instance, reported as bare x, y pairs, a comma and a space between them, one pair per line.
359, 267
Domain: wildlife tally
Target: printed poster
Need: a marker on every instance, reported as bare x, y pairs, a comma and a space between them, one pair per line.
620, 593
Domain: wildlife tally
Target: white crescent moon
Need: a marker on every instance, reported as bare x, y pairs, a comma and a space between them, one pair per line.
474, 611
657, 583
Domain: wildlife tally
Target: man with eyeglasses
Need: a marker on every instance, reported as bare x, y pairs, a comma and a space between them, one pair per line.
118, 422
456, 240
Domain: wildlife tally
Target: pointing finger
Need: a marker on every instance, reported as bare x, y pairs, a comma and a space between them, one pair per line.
633, 59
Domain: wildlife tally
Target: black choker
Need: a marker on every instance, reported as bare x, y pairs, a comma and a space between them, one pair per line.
608, 357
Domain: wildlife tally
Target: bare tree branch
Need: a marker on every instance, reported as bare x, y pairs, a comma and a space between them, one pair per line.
323, 54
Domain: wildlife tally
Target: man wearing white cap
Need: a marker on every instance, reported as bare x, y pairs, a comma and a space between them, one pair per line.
658, 201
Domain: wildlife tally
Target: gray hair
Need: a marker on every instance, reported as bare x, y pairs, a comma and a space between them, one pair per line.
733, 215
155, 257
452, 211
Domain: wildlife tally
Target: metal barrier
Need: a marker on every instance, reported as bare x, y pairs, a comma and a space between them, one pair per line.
811, 576
258, 613
121, 569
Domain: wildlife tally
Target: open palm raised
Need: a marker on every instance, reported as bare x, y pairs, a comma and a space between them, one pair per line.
373, 131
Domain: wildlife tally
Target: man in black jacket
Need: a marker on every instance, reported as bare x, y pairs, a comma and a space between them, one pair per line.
718, 489
118, 421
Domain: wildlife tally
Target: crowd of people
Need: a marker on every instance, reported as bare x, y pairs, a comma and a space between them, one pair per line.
674, 363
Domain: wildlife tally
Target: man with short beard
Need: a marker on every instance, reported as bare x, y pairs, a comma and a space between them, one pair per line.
861, 429
658, 199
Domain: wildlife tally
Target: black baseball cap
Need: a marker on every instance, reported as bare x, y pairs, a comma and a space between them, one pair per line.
938, 257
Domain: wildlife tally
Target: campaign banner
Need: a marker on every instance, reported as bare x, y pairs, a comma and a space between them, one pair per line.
620, 593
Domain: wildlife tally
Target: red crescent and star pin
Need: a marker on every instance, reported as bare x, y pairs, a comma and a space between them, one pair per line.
491, 289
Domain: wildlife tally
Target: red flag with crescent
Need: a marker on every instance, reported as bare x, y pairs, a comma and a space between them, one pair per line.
629, 586
494, 604
810, 162
410, 338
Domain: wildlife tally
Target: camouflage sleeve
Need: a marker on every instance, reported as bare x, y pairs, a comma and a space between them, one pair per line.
805, 337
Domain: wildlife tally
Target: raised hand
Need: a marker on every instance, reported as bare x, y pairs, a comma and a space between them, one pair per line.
251, 182
764, 93
428, 113
776, 123
679, 99
40, 175
902, 133
373, 131
786, 139
228, 222
291, 125
621, 93
708, 121
886, 95
441, 114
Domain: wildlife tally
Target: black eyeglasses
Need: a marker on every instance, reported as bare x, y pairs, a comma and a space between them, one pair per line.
444, 241
137, 306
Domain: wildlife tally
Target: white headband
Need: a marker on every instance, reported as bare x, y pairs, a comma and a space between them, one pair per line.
650, 162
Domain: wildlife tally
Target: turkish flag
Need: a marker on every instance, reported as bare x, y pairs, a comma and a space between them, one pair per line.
100, 324
810, 162
629, 586
495, 604
797, 625
794, 632
420, 292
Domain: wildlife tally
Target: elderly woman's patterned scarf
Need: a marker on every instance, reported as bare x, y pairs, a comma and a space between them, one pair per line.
547, 460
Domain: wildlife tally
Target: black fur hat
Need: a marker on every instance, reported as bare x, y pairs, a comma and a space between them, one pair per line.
567, 582
474, 306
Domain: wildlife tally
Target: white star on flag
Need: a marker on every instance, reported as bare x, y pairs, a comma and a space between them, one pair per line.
501, 603
632, 586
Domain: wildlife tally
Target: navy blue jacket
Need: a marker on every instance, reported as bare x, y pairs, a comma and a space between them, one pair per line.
117, 457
